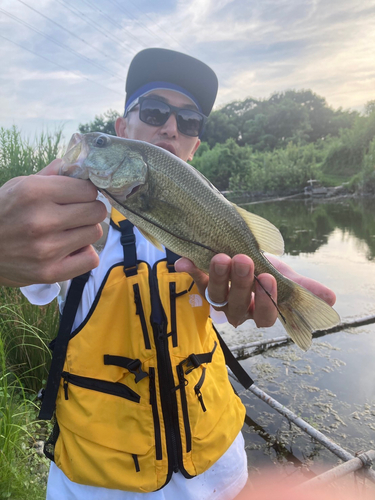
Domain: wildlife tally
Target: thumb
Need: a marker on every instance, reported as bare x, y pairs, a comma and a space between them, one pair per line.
52, 169
200, 278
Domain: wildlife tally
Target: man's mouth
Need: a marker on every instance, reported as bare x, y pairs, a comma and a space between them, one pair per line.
167, 146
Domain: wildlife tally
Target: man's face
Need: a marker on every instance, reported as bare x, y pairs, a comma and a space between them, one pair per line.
166, 136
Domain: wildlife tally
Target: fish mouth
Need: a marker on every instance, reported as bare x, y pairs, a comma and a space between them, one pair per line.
74, 165
123, 193
75, 154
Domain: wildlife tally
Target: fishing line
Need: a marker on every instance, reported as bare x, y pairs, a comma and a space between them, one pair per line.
270, 296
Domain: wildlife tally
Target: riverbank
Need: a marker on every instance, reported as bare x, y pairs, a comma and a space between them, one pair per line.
332, 193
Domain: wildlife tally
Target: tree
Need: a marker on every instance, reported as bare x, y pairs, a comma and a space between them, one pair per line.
370, 107
298, 116
102, 123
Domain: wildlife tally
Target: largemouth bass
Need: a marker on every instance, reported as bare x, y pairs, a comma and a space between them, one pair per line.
172, 204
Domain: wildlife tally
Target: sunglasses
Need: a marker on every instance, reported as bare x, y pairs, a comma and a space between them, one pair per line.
156, 113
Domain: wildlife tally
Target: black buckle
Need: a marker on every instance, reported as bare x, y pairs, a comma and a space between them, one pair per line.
135, 367
127, 239
192, 362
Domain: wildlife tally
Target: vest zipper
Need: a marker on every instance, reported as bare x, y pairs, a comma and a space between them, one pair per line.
155, 414
166, 380
140, 312
113, 388
197, 389
185, 414
172, 295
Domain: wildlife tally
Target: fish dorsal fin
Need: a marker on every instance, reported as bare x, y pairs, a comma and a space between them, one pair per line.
267, 235
150, 238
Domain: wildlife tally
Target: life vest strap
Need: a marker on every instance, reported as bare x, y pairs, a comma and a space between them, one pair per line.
134, 366
171, 259
59, 351
196, 360
243, 377
128, 244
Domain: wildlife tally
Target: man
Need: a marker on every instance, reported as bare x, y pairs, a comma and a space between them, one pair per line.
144, 408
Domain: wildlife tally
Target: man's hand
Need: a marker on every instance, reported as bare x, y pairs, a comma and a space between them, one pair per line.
47, 225
246, 297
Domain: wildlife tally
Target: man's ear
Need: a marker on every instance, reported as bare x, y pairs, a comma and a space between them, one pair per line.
120, 127
196, 146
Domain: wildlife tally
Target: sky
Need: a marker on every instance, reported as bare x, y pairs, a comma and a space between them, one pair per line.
65, 61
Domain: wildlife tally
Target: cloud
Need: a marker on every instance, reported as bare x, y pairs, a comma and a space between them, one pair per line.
257, 47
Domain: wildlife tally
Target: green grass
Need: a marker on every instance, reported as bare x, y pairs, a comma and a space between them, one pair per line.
25, 332
23, 473
20, 157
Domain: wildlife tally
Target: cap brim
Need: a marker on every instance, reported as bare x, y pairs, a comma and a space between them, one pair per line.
154, 65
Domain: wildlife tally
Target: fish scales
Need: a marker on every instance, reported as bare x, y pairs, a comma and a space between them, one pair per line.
174, 205
181, 200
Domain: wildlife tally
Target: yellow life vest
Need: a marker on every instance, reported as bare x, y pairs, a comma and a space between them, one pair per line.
144, 389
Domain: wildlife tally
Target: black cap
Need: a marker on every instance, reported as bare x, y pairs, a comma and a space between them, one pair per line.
182, 72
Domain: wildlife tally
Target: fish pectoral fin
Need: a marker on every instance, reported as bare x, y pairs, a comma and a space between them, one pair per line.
267, 235
150, 238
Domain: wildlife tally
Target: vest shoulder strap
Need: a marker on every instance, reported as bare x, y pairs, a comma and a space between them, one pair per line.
243, 377
128, 245
59, 351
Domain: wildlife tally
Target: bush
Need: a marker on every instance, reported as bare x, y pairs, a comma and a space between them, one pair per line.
367, 178
346, 153
280, 171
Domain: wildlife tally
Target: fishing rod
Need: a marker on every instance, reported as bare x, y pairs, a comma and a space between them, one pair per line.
344, 455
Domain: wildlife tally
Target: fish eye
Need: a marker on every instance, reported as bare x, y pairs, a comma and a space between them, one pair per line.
101, 141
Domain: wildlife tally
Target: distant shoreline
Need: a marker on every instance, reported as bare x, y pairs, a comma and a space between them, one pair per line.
253, 199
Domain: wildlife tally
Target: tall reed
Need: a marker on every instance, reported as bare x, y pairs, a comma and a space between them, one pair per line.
20, 157
27, 331
22, 473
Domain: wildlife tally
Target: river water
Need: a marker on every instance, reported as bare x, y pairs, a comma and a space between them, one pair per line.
331, 386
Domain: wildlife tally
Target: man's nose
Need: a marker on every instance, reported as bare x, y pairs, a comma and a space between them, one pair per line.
170, 126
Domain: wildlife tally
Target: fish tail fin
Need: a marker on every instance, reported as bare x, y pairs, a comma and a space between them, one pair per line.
304, 313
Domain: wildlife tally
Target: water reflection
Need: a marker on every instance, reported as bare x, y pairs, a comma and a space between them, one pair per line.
307, 224
332, 385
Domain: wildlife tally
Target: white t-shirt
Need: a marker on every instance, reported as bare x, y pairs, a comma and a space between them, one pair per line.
224, 480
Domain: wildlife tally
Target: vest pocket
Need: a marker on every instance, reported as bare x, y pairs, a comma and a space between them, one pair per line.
108, 410
113, 388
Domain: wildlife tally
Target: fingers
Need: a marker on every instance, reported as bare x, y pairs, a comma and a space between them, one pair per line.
240, 294
58, 189
313, 286
79, 262
200, 278
52, 169
219, 272
47, 224
233, 280
265, 312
